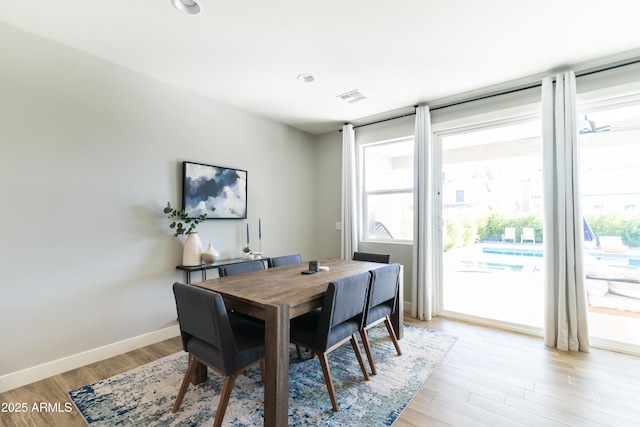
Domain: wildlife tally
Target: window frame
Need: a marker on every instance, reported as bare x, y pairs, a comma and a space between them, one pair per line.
363, 221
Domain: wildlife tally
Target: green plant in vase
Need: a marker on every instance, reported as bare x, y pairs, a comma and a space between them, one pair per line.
246, 253
181, 223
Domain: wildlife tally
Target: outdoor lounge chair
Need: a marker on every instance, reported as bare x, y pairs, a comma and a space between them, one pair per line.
379, 231
528, 234
509, 234
612, 244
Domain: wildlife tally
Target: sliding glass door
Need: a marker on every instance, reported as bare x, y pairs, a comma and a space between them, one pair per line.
610, 157
491, 196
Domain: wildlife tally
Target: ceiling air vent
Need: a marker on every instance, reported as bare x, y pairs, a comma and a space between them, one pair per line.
352, 96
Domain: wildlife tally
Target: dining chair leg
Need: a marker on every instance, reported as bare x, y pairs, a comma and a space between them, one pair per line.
324, 363
356, 350
367, 349
191, 370
392, 334
224, 398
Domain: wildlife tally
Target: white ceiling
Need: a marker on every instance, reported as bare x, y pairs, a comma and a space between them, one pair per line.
397, 53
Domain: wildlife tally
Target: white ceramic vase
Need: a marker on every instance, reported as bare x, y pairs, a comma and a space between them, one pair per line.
192, 252
210, 255
247, 255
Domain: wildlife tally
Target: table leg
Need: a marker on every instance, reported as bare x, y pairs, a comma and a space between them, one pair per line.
276, 378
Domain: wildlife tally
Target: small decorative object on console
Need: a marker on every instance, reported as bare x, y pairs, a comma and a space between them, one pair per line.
246, 253
192, 252
210, 255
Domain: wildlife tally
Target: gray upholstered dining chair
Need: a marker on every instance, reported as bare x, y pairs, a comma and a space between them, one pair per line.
284, 260
229, 347
339, 319
241, 267
372, 257
381, 303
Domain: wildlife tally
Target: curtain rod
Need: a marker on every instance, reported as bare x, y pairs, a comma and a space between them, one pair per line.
386, 120
507, 92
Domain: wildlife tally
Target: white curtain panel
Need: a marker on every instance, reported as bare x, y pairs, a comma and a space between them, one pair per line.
349, 218
422, 283
565, 295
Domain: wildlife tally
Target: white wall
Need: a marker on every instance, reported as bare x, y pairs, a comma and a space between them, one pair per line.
328, 194
91, 153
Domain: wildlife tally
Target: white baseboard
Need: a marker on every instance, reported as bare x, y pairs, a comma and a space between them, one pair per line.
55, 367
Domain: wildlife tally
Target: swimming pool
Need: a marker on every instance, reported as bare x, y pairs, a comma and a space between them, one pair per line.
631, 258
494, 259
510, 250
491, 266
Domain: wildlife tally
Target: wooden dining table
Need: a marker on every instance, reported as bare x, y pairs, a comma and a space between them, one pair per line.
277, 295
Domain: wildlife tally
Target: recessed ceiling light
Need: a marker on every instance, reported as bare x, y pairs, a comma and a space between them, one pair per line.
306, 78
190, 7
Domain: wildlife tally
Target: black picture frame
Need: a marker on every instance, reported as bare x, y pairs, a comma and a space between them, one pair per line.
219, 191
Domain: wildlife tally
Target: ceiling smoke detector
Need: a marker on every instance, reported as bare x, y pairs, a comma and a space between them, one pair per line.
352, 96
189, 7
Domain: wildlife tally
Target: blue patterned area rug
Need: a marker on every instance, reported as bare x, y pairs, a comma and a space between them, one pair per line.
144, 396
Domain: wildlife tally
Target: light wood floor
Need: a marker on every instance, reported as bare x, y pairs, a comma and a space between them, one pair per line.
489, 377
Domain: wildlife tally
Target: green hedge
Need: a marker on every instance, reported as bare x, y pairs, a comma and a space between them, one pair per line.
491, 227
463, 229
460, 231
624, 225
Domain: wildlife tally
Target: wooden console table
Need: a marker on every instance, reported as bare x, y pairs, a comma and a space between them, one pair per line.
204, 267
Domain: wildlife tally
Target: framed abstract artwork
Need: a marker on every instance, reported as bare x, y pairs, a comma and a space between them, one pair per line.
217, 191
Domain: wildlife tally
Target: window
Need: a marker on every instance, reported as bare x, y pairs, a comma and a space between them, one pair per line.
387, 190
